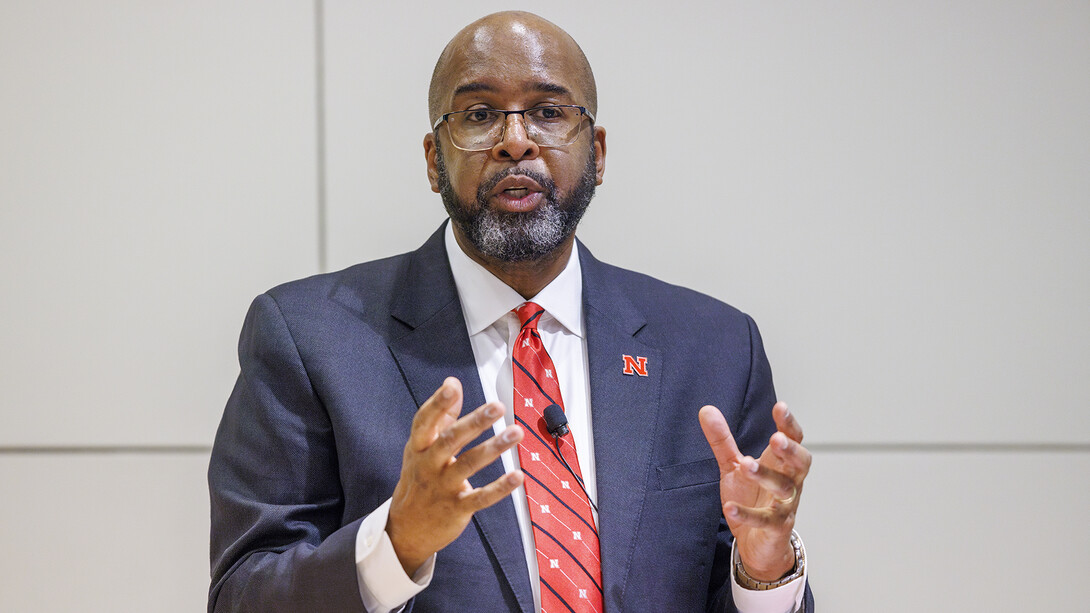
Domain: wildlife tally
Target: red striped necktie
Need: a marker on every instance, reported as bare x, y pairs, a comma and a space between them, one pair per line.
564, 534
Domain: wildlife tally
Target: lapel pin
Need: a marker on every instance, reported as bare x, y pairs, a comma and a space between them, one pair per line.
635, 365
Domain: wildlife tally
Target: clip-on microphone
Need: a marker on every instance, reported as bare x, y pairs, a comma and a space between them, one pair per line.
557, 424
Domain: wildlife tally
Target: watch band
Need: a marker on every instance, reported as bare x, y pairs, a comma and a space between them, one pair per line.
750, 583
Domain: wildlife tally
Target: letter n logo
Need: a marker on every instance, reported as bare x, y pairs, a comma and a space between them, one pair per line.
635, 365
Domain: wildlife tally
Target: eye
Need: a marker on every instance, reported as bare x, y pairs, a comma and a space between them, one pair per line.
550, 113
479, 116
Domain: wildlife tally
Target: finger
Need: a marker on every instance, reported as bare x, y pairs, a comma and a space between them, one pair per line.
484, 454
719, 438
786, 422
779, 519
794, 458
451, 440
436, 414
494, 492
779, 485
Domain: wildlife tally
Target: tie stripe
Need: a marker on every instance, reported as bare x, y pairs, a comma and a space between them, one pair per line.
586, 572
535, 382
565, 538
559, 599
557, 498
532, 319
544, 443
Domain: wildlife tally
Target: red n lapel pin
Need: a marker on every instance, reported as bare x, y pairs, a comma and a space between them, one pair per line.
635, 365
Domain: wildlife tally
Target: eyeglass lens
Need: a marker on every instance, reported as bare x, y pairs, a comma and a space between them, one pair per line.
548, 126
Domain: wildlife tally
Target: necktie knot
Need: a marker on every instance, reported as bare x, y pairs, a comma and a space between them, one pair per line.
529, 314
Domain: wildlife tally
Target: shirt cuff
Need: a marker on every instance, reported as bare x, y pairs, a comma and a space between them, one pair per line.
384, 586
784, 599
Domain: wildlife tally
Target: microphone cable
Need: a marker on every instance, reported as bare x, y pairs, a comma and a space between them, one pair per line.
557, 424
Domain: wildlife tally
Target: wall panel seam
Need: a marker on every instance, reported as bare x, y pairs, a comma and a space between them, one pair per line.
103, 449
320, 129
948, 447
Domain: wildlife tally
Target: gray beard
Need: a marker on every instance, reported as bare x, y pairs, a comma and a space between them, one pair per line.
518, 237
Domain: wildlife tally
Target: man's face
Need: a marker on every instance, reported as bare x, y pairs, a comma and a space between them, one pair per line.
516, 201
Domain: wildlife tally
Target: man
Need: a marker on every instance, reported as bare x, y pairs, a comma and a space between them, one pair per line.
386, 446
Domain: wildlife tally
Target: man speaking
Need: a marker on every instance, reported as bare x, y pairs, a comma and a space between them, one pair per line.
498, 421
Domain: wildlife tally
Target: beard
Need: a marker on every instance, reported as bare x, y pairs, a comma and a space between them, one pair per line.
519, 236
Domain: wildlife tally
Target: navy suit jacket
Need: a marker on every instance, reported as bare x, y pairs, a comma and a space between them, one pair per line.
334, 367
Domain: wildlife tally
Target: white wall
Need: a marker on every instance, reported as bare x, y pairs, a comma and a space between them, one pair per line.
897, 192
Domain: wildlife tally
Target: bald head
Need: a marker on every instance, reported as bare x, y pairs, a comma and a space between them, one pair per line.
502, 44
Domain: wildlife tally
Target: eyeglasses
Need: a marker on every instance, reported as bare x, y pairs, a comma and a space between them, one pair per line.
482, 129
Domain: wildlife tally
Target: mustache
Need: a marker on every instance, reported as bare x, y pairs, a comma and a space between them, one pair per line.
490, 184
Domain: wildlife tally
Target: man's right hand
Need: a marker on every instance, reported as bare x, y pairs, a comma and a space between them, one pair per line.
433, 500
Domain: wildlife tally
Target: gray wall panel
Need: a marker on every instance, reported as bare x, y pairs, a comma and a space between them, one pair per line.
377, 64
947, 531
104, 533
157, 170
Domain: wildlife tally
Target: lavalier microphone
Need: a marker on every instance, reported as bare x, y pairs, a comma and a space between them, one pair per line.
556, 422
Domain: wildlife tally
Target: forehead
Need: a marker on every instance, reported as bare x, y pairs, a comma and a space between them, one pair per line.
512, 59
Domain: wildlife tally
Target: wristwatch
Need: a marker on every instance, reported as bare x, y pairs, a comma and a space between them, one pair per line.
750, 583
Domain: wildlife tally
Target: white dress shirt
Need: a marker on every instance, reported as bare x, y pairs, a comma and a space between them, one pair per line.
487, 303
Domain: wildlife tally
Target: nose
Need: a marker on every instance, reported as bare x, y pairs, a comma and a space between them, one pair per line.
516, 143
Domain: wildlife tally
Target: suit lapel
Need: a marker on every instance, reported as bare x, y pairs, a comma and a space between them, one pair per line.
623, 412
435, 347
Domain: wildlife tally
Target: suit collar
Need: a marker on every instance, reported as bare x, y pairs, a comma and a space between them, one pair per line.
428, 287
604, 294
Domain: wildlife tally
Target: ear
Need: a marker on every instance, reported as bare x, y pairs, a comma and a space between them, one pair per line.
430, 154
600, 153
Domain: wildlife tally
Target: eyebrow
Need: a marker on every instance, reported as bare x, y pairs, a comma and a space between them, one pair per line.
476, 86
541, 86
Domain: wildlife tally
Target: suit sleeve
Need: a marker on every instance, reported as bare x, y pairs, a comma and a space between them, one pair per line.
277, 543
752, 427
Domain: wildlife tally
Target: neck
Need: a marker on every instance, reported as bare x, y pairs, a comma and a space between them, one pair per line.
527, 278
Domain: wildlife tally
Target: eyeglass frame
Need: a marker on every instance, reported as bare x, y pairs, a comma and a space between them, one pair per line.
582, 111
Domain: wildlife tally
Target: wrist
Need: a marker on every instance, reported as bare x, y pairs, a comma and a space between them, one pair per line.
771, 570
410, 557
776, 575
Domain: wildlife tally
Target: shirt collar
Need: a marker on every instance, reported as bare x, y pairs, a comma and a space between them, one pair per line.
485, 299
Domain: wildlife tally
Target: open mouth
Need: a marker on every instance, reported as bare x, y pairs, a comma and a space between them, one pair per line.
517, 193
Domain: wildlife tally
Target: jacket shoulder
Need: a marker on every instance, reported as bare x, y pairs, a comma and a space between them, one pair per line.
358, 284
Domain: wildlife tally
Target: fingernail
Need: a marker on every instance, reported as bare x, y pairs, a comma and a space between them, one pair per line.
782, 443
445, 392
733, 511
510, 434
751, 465
492, 410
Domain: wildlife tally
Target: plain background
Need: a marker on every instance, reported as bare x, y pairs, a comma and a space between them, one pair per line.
898, 192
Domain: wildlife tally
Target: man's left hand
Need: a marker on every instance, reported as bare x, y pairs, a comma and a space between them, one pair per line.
760, 497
